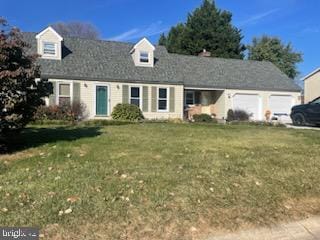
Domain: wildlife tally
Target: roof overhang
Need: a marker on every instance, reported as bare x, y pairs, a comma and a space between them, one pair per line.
208, 88
51, 30
143, 40
311, 74
204, 88
106, 79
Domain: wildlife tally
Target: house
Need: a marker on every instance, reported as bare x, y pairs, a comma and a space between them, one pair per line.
102, 74
312, 86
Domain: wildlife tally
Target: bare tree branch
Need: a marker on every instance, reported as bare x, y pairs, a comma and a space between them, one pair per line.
77, 29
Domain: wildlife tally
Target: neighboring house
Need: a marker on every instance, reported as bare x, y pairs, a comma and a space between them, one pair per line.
102, 74
312, 86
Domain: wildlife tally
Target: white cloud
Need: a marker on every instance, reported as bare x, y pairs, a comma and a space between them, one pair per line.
136, 33
126, 35
258, 17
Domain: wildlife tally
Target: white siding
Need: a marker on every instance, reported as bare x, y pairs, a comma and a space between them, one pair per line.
223, 104
145, 46
220, 105
49, 36
87, 92
312, 87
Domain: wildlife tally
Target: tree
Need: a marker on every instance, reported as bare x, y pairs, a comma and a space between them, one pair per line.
206, 28
273, 50
20, 93
162, 40
176, 40
77, 29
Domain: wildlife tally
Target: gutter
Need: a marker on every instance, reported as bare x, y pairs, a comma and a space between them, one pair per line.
187, 87
109, 79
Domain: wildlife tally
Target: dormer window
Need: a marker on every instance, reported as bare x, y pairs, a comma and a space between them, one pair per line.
49, 49
49, 44
143, 53
144, 57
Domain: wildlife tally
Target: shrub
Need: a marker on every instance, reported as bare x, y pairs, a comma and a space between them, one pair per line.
241, 115
230, 115
66, 112
79, 111
202, 118
237, 115
127, 112
20, 93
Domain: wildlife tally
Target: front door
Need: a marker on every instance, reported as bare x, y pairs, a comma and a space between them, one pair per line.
102, 100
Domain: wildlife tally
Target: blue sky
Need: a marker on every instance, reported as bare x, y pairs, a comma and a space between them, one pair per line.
295, 21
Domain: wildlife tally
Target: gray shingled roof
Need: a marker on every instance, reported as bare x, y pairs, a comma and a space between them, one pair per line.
111, 61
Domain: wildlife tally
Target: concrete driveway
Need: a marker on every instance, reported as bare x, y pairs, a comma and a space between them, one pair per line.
302, 128
308, 229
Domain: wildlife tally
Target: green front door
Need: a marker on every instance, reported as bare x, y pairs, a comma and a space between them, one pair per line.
102, 100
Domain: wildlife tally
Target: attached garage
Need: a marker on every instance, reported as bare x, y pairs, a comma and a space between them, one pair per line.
251, 103
281, 105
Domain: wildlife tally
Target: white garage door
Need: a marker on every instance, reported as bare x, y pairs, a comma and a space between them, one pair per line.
249, 103
280, 105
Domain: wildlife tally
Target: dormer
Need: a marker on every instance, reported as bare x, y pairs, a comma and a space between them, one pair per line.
49, 44
143, 53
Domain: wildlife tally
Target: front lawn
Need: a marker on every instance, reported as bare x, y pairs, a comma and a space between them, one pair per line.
158, 181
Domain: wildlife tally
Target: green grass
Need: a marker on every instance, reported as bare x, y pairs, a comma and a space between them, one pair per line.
157, 181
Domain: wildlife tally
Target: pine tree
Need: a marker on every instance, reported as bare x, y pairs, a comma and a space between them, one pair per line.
176, 40
207, 28
162, 40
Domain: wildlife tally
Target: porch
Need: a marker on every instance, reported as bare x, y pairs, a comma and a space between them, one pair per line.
203, 101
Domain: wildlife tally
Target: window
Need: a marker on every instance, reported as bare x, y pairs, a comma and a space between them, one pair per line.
64, 94
135, 96
163, 99
316, 101
49, 48
144, 57
190, 98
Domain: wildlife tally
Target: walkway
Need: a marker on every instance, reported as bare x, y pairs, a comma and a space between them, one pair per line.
303, 127
308, 229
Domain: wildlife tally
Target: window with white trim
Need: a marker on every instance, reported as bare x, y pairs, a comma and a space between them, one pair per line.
162, 99
135, 97
190, 98
49, 48
144, 57
64, 94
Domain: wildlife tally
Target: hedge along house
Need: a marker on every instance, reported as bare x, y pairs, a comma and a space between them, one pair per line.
102, 74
